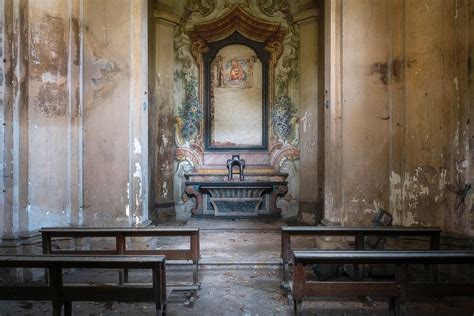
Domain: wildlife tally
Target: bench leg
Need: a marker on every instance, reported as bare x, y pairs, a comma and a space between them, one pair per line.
46, 276
298, 307
125, 276
160, 309
196, 274
57, 306
402, 282
400, 307
392, 306
434, 271
286, 269
68, 308
299, 280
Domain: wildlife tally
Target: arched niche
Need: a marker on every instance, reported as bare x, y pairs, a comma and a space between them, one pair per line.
236, 28
236, 95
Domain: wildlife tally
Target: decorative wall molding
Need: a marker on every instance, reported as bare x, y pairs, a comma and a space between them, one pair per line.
166, 17
270, 23
237, 20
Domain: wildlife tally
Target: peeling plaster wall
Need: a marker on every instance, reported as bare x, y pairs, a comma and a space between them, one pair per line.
405, 85
364, 109
2, 121
470, 129
398, 111
423, 176
75, 125
115, 114
310, 111
15, 113
106, 100
47, 113
163, 124
431, 187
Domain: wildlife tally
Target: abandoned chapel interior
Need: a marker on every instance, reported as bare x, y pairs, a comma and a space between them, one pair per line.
237, 157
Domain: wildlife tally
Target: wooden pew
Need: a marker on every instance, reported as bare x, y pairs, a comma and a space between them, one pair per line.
120, 234
359, 233
61, 294
397, 290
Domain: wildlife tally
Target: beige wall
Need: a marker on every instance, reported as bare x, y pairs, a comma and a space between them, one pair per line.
75, 113
397, 113
399, 103
310, 109
364, 108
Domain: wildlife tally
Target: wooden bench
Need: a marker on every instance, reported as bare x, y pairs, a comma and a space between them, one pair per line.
120, 234
61, 294
398, 290
359, 233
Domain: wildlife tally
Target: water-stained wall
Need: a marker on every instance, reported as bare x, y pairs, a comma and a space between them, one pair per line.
74, 114
398, 112
47, 106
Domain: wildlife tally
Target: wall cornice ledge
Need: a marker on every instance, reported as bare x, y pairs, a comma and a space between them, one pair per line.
166, 17
306, 16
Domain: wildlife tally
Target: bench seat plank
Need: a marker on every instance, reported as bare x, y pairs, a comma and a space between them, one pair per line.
31, 261
113, 231
368, 230
387, 256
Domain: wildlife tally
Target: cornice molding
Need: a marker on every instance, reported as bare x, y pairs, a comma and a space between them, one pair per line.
240, 21
306, 16
166, 17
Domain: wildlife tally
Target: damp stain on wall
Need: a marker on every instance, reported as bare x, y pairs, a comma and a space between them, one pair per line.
382, 70
48, 65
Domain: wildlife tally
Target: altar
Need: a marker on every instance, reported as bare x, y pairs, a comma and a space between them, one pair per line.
232, 111
256, 195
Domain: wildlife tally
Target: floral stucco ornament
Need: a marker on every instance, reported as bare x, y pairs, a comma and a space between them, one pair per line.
283, 115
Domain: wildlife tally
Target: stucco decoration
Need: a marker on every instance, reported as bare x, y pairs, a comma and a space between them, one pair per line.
285, 120
193, 153
263, 21
201, 7
288, 73
238, 20
289, 203
190, 114
284, 113
270, 7
185, 60
184, 203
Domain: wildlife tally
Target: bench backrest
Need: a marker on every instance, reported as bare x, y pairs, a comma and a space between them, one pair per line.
56, 291
120, 234
367, 231
76, 261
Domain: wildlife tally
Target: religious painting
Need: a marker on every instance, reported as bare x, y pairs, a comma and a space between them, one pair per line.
236, 98
236, 72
